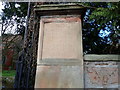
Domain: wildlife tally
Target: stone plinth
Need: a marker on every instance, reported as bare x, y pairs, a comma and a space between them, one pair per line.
60, 54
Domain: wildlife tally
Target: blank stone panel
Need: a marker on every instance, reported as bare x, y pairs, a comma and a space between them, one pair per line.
59, 77
61, 40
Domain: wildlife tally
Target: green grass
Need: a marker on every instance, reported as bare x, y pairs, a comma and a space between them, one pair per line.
8, 73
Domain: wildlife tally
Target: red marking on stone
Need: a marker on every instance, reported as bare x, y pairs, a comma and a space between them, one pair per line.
95, 78
69, 19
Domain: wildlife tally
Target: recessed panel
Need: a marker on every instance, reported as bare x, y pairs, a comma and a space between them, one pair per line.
61, 40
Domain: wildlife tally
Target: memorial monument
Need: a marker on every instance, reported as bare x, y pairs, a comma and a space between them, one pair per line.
60, 53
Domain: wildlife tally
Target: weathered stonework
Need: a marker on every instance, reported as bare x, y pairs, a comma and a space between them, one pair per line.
60, 54
101, 74
60, 43
59, 77
26, 65
27, 61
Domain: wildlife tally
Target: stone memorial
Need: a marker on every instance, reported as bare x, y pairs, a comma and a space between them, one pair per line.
60, 53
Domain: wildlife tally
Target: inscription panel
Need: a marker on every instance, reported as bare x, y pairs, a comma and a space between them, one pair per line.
61, 40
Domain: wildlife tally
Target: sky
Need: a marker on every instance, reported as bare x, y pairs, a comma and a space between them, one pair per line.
1, 7
8, 28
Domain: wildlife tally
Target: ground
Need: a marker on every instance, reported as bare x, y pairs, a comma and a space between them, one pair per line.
7, 78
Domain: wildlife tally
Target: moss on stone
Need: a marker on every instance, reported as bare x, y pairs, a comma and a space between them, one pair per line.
58, 6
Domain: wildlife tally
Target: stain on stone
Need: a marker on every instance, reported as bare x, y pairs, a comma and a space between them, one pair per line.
101, 74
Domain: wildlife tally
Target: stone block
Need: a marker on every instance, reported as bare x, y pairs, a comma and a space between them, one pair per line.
59, 77
101, 74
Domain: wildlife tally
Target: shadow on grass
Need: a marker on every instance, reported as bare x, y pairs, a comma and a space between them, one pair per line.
7, 82
8, 78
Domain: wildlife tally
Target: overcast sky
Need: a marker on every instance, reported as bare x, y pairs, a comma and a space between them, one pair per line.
1, 7
8, 29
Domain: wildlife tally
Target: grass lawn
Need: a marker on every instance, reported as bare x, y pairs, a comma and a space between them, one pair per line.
6, 73
8, 78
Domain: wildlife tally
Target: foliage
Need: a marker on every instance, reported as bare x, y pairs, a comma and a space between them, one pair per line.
102, 17
14, 14
13, 28
12, 44
7, 82
6, 73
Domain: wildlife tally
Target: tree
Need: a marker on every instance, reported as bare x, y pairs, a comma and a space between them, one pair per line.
13, 28
14, 17
100, 18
